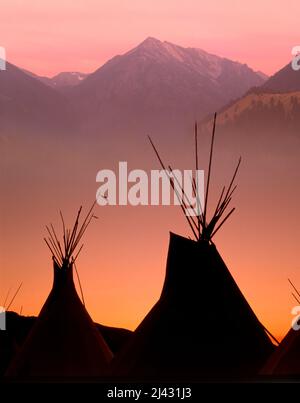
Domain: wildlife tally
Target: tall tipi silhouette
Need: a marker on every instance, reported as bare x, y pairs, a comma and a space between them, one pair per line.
202, 326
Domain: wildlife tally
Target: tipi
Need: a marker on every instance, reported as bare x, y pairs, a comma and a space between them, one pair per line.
202, 326
64, 342
285, 361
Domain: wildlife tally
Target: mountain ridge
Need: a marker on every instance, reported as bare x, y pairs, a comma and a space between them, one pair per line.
162, 82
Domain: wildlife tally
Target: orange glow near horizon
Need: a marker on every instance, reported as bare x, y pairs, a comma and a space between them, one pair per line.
121, 284
122, 265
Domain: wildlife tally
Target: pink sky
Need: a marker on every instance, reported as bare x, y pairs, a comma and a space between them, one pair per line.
51, 36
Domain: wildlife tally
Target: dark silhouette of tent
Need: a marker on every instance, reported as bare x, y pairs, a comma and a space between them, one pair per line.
285, 361
201, 326
64, 341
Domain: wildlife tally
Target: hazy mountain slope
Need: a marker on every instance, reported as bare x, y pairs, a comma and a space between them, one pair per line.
284, 80
159, 84
60, 80
28, 104
67, 79
269, 110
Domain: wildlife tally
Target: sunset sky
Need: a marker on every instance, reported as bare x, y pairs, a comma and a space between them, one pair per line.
122, 266
51, 36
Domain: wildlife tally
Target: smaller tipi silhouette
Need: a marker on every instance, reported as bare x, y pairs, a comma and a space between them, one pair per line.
285, 361
64, 342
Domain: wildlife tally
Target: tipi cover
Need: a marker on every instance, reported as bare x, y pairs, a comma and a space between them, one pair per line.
64, 342
202, 326
286, 359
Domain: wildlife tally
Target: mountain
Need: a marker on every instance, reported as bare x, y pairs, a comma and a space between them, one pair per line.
155, 86
28, 104
43, 79
262, 75
61, 80
159, 84
280, 106
285, 80
274, 114
65, 79
274, 107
